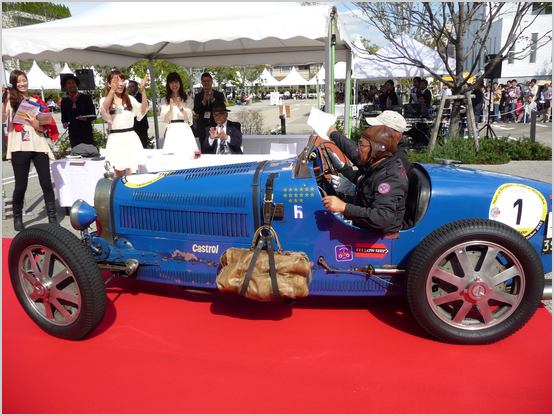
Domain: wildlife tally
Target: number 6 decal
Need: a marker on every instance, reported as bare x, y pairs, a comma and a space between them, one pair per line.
519, 206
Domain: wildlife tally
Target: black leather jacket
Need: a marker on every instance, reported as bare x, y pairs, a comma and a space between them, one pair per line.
380, 200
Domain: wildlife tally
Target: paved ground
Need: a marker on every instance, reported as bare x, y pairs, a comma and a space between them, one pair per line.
297, 124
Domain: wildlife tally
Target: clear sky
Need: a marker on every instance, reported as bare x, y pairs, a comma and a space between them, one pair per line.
354, 26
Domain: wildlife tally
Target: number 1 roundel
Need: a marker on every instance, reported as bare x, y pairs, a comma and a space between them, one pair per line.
519, 206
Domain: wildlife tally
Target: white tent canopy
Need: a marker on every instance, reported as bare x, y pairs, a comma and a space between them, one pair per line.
318, 78
234, 34
65, 71
268, 80
340, 74
373, 67
38, 80
293, 78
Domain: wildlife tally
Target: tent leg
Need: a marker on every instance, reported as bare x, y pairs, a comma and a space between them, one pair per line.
154, 101
329, 65
347, 95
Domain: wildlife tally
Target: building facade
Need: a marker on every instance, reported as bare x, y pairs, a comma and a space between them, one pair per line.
524, 61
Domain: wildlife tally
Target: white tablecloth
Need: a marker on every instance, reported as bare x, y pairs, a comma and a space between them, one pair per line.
76, 179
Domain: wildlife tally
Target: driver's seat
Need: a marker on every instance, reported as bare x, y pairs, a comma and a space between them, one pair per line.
419, 194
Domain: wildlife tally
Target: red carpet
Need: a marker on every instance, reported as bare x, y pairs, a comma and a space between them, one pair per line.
161, 350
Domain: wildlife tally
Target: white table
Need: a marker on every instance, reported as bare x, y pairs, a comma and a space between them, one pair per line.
76, 179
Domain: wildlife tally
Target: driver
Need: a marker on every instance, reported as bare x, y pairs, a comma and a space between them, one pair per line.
382, 184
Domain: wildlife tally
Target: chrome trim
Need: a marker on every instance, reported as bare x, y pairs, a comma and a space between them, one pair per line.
102, 207
547, 293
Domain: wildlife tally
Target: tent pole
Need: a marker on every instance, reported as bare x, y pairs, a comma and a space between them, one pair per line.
317, 93
332, 63
327, 88
347, 95
154, 101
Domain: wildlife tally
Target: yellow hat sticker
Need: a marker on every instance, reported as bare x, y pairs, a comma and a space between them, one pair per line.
145, 179
519, 206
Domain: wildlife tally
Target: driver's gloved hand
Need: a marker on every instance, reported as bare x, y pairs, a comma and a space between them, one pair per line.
343, 185
337, 163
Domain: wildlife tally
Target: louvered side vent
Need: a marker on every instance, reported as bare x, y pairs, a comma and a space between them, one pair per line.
216, 170
176, 276
184, 222
352, 286
185, 200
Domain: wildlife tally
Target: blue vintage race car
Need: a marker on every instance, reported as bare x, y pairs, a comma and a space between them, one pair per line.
472, 265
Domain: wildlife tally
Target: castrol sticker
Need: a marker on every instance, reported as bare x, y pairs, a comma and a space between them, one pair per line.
145, 179
519, 206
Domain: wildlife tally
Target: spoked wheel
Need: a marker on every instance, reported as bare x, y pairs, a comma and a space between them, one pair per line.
474, 281
57, 281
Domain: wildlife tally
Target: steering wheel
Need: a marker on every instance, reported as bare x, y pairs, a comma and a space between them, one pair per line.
322, 161
325, 157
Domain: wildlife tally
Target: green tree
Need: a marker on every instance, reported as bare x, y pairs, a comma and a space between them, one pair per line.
370, 47
249, 75
139, 70
49, 11
222, 75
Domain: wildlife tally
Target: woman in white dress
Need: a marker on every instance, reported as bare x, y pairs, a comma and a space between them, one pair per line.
124, 149
177, 114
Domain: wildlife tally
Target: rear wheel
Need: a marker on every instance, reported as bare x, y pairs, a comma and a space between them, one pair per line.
474, 281
57, 281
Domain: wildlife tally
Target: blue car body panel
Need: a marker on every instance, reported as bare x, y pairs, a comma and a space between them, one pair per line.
177, 224
458, 193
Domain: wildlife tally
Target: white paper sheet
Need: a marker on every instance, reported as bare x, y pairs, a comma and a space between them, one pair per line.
320, 122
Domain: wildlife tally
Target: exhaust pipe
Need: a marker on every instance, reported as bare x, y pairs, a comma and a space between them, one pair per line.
547, 294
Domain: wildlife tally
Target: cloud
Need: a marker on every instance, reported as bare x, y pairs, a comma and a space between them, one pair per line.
356, 27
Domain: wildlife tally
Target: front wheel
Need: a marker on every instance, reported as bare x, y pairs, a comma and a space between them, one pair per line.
474, 281
57, 281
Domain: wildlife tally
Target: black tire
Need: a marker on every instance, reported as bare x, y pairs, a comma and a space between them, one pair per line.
67, 297
474, 281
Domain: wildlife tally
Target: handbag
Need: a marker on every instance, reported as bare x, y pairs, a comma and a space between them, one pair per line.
264, 275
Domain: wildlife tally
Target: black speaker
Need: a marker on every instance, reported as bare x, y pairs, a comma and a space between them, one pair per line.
496, 70
86, 79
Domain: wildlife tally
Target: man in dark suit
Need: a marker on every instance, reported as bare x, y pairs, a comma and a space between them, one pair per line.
140, 127
425, 93
223, 137
204, 103
414, 91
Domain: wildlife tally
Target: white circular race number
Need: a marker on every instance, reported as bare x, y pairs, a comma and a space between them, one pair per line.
519, 206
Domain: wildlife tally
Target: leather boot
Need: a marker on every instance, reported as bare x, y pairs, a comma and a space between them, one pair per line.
51, 212
18, 217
